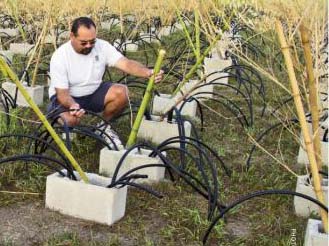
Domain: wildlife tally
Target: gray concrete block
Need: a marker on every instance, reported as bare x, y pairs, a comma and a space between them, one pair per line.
36, 93
7, 54
314, 236
162, 102
305, 207
8, 32
212, 65
208, 88
91, 201
157, 131
302, 158
21, 48
110, 158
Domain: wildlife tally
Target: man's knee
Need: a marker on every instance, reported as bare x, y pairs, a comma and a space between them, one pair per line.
118, 93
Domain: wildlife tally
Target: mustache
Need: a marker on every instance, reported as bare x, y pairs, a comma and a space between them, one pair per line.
86, 51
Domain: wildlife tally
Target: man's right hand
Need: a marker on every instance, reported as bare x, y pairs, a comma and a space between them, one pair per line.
76, 111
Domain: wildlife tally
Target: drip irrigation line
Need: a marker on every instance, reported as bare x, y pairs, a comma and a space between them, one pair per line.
39, 159
141, 187
199, 108
254, 195
55, 150
175, 139
238, 115
263, 134
212, 197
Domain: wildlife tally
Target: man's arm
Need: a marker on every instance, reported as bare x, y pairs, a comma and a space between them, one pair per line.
137, 69
65, 99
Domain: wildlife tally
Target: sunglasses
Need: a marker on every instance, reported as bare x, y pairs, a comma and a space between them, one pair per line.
91, 42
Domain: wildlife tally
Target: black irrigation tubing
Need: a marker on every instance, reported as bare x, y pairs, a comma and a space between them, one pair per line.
55, 150
204, 193
282, 104
254, 195
237, 115
201, 169
7, 101
199, 108
263, 134
248, 98
142, 187
171, 167
40, 159
176, 139
244, 69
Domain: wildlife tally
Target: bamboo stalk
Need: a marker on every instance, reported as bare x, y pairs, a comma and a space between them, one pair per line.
313, 95
43, 36
303, 123
146, 99
197, 33
8, 72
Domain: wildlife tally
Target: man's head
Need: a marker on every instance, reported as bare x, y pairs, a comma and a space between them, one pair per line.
83, 35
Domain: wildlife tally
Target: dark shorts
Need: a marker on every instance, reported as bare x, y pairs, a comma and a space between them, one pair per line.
93, 102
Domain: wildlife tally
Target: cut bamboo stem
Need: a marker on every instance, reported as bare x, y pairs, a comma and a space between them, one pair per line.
303, 123
313, 94
41, 44
146, 99
8, 72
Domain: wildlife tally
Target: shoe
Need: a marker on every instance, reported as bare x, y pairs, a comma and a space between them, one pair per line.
109, 134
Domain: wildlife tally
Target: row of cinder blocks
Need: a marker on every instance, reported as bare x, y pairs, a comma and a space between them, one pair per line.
96, 202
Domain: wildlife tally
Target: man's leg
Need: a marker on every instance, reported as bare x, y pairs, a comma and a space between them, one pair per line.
115, 101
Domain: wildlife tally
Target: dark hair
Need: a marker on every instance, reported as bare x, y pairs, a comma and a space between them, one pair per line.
81, 21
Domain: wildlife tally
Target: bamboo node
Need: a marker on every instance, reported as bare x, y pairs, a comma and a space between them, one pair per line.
294, 95
285, 47
308, 142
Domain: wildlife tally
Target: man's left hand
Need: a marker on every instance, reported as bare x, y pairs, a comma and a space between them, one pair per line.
158, 77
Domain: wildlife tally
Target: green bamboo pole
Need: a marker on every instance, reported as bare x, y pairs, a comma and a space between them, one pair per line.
148, 93
13, 7
8, 72
313, 96
197, 33
189, 39
303, 122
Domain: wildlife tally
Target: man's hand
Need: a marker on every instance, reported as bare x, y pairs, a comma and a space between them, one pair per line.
76, 111
158, 77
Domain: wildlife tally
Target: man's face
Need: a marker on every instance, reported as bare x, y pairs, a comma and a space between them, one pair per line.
85, 40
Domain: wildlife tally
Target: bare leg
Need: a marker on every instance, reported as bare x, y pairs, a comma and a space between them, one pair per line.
115, 101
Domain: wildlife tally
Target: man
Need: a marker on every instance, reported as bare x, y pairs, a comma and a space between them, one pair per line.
76, 71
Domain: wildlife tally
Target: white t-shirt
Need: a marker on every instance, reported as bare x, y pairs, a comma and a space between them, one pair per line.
81, 74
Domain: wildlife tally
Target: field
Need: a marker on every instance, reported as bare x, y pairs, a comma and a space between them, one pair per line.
245, 138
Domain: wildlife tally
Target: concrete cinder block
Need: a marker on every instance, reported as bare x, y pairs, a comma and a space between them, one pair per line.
36, 93
302, 158
164, 31
7, 54
21, 48
157, 131
208, 88
149, 38
305, 207
313, 235
110, 158
218, 52
64, 35
213, 68
91, 201
107, 25
162, 102
8, 32
129, 46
